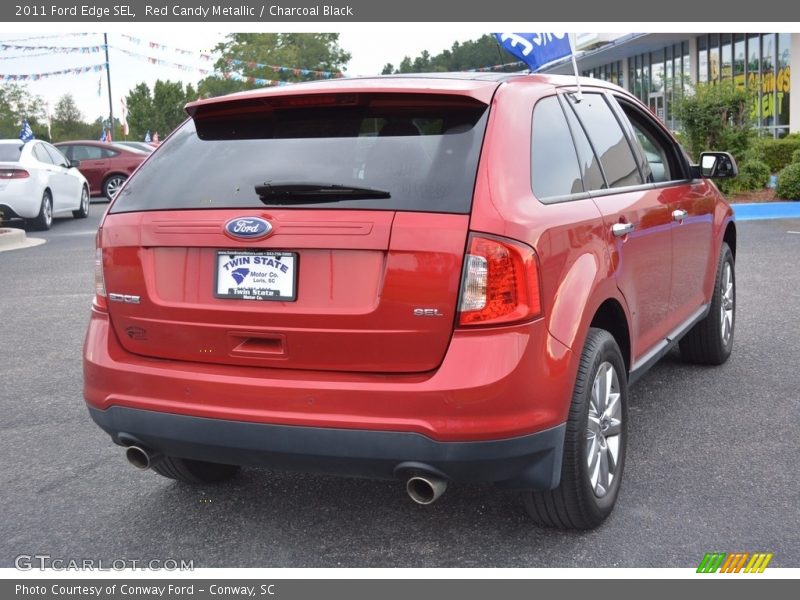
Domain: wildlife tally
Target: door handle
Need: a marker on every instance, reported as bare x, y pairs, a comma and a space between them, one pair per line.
679, 215
621, 229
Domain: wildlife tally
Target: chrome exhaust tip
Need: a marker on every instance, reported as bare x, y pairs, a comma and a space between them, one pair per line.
424, 489
139, 457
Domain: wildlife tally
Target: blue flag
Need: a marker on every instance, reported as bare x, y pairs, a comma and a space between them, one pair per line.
535, 49
26, 133
147, 136
103, 136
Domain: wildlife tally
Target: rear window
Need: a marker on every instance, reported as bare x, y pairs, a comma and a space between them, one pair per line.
10, 152
412, 152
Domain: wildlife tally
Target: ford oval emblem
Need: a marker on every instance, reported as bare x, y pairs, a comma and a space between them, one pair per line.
248, 228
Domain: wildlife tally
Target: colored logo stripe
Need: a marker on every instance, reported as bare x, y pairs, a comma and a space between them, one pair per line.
733, 563
759, 562
711, 562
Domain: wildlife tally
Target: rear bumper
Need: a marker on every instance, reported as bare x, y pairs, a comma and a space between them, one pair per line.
527, 462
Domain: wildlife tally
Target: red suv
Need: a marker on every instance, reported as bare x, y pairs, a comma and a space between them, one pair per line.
105, 166
428, 278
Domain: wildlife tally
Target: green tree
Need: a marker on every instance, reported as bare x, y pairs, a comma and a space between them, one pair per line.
16, 104
67, 121
141, 113
242, 53
716, 117
462, 56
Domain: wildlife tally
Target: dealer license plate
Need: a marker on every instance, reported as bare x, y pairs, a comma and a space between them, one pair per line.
256, 275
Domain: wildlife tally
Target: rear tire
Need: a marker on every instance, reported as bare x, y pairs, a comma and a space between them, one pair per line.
710, 342
44, 220
194, 471
594, 443
83, 209
112, 184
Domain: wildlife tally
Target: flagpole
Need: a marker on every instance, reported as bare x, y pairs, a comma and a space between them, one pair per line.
572, 43
110, 104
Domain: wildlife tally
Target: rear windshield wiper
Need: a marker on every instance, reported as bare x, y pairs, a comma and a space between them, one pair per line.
305, 193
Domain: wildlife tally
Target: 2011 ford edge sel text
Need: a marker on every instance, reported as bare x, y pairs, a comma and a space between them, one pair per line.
428, 278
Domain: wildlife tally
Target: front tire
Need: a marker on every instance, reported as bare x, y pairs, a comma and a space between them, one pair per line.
194, 471
594, 444
83, 209
44, 220
710, 342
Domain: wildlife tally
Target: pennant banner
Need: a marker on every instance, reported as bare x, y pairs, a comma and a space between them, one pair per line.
57, 49
280, 69
140, 42
38, 76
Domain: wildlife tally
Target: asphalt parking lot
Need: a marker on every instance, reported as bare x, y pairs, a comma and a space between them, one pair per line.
712, 462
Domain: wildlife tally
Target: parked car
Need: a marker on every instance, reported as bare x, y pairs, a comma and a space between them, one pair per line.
37, 182
106, 166
142, 146
428, 278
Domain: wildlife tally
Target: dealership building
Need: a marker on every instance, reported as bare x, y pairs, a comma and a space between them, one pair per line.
657, 66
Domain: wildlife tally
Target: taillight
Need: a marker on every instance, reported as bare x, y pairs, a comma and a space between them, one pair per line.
14, 174
99, 279
500, 284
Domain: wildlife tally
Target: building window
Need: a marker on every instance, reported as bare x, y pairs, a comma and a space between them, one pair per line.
702, 59
726, 58
783, 82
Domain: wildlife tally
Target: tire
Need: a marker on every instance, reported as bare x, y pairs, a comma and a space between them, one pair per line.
112, 184
710, 342
596, 435
83, 210
44, 220
194, 471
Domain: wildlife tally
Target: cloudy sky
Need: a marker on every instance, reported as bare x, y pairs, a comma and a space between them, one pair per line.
131, 53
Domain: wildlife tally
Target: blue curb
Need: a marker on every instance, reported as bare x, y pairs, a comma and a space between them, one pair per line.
757, 211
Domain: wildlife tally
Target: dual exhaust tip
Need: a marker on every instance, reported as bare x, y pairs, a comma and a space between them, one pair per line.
425, 489
421, 488
141, 458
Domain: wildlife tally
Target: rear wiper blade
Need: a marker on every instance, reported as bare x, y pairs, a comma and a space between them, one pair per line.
306, 193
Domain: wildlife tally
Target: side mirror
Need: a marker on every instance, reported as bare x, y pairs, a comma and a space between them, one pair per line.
75, 163
717, 165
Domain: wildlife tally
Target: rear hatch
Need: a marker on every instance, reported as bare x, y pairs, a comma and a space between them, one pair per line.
314, 231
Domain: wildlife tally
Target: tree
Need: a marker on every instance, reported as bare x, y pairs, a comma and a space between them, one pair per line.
141, 114
247, 57
16, 104
67, 121
462, 56
716, 117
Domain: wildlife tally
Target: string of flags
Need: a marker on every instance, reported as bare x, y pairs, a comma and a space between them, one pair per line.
56, 49
280, 69
157, 46
37, 76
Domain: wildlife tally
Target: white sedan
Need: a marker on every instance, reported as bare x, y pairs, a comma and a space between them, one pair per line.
37, 182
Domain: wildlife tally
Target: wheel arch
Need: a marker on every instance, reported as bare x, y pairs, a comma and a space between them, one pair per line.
611, 317
729, 237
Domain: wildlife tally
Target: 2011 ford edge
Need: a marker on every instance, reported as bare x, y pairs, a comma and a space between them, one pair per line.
429, 278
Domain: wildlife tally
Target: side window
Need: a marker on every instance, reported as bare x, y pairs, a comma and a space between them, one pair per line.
56, 156
590, 167
661, 160
555, 168
68, 151
41, 154
106, 153
608, 140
